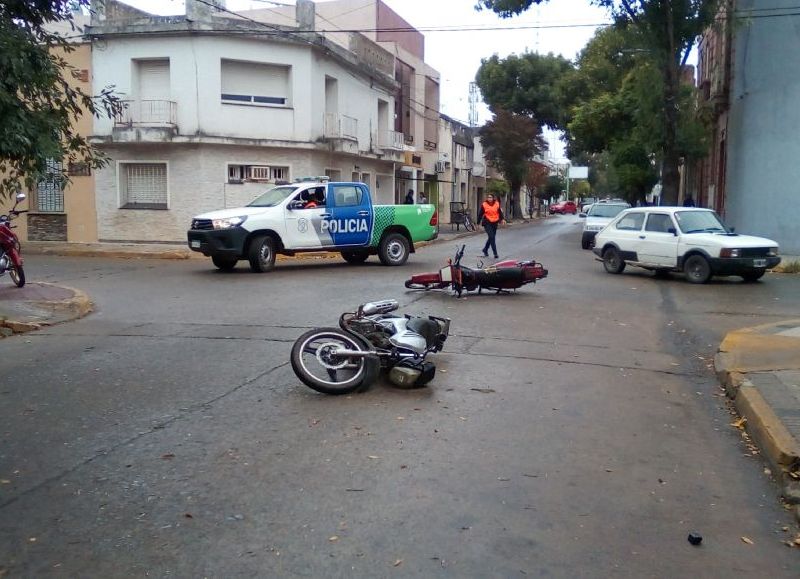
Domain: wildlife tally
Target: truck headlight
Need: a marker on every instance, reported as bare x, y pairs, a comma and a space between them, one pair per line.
228, 222
772, 252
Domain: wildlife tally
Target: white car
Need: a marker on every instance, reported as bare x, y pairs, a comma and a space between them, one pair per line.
683, 239
597, 217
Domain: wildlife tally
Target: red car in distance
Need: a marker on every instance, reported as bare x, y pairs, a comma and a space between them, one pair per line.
564, 207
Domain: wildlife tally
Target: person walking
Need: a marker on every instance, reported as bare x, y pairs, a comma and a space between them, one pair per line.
410, 197
689, 201
421, 199
490, 215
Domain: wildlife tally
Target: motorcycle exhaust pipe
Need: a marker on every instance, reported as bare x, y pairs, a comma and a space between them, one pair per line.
353, 353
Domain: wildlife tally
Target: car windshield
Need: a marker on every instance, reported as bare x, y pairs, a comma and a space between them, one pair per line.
272, 197
605, 210
699, 222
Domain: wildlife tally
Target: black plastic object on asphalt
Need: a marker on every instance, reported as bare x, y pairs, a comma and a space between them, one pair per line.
695, 538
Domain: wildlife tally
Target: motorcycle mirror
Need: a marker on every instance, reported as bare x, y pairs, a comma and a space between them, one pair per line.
21, 197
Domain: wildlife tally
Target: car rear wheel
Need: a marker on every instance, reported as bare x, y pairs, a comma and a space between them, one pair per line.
754, 275
697, 269
612, 260
224, 262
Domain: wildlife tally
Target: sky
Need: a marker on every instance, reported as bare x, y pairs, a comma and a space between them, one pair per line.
558, 26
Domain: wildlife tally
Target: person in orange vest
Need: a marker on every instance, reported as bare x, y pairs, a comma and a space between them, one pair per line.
490, 215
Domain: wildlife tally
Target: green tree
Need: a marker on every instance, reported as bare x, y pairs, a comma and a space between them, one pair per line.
554, 186
666, 30
37, 103
510, 141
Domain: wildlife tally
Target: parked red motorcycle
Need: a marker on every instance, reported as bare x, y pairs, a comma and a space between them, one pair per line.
10, 256
501, 276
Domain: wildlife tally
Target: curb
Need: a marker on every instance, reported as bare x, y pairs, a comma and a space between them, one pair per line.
73, 308
780, 449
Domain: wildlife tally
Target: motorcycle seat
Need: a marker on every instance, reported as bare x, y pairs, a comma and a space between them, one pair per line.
427, 328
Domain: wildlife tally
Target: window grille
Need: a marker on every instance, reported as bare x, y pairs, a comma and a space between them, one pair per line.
144, 185
279, 173
259, 173
49, 194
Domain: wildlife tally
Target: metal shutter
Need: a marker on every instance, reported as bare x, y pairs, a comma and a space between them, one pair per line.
154, 79
145, 183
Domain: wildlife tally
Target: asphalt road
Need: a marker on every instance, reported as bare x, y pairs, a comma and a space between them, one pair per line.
574, 429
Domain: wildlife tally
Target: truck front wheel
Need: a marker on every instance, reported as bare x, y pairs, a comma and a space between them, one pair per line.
262, 253
394, 249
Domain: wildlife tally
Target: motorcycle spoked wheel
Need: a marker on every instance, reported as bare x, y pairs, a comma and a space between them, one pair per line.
315, 362
17, 275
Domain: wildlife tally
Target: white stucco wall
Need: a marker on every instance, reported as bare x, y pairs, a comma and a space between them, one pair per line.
197, 183
763, 141
195, 84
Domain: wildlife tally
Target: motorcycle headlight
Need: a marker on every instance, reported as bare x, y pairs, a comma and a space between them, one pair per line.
729, 252
228, 222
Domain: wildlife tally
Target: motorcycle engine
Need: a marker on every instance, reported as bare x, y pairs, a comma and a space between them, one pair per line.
411, 373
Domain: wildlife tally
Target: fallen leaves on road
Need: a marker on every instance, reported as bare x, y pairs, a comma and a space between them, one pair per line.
167, 456
747, 540
484, 390
373, 456
333, 539
739, 423
398, 563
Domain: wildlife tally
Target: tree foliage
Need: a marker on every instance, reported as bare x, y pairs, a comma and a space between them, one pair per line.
657, 36
38, 103
510, 141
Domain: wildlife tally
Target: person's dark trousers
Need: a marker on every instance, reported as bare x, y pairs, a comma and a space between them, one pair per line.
491, 231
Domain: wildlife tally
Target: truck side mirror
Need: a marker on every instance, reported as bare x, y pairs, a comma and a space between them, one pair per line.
673, 231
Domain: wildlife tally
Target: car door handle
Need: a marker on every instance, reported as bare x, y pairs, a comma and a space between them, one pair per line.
363, 213
642, 237
324, 214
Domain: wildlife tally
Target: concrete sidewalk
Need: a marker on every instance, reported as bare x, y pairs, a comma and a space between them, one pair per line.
760, 369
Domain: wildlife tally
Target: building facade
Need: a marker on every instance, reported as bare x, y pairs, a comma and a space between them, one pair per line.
220, 107
748, 74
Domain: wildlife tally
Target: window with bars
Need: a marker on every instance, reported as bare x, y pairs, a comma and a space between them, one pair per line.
49, 192
241, 173
143, 186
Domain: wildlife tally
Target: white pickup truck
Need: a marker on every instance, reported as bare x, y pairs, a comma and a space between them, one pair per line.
312, 216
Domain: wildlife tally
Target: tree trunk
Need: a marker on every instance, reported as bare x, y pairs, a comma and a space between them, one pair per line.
670, 175
515, 211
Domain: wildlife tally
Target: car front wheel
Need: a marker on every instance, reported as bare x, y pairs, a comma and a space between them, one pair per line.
697, 269
612, 260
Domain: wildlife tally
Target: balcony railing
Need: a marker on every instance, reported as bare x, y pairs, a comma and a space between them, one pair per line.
340, 127
147, 113
390, 140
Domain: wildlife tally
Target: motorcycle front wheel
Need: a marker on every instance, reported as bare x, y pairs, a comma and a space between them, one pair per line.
316, 362
17, 274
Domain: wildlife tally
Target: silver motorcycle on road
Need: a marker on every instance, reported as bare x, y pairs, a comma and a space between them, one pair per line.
371, 339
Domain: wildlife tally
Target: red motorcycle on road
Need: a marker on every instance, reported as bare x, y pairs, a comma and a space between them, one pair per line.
10, 256
501, 276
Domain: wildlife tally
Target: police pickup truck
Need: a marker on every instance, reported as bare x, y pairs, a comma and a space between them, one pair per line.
308, 216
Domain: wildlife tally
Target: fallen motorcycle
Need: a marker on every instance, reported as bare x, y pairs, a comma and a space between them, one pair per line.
10, 256
501, 276
371, 339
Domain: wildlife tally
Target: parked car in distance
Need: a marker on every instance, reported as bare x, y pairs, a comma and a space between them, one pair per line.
586, 203
598, 216
563, 208
682, 239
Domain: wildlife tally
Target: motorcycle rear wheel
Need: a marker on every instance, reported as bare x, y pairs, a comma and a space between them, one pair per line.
17, 275
314, 361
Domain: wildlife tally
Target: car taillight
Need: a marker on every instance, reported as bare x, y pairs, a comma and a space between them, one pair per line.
434, 218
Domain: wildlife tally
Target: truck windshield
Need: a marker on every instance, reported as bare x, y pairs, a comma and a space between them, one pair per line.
699, 222
272, 197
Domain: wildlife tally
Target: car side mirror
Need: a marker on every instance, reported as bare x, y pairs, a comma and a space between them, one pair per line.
673, 231
733, 230
582, 215
295, 205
